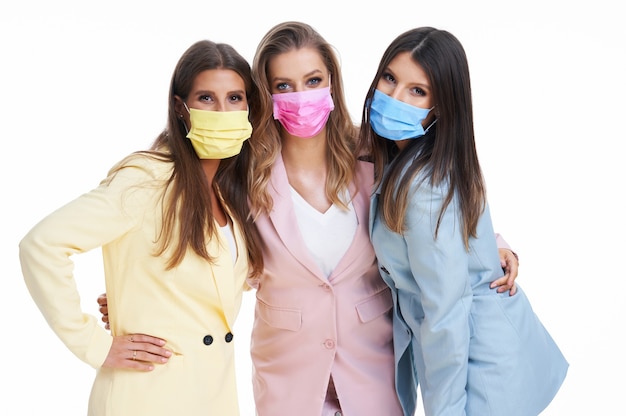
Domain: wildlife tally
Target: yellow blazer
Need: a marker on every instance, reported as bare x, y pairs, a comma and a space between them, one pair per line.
192, 306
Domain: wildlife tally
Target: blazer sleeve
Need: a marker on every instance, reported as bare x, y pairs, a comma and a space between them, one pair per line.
501, 242
440, 269
90, 221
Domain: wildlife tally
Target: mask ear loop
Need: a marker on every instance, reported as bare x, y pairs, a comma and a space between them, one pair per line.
330, 83
182, 119
434, 121
429, 126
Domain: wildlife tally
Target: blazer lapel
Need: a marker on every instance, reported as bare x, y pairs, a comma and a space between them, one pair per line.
283, 217
361, 242
374, 207
226, 275
357, 250
222, 270
373, 210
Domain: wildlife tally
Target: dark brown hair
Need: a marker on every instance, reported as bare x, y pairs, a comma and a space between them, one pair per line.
187, 210
447, 153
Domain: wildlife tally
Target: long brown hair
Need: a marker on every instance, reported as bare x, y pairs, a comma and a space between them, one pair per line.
187, 210
447, 153
340, 129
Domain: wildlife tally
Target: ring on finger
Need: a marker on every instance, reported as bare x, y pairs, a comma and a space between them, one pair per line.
134, 355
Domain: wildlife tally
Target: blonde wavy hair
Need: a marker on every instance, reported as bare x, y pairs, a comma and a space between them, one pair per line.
266, 143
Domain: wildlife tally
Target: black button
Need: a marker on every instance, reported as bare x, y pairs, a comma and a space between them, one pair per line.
228, 337
208, 340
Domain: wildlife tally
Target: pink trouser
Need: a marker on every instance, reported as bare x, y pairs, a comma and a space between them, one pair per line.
331, 405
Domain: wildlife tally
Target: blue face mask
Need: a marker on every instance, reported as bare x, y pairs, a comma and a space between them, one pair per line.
396, 120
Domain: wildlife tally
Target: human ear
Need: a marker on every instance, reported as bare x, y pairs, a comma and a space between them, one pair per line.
179, 107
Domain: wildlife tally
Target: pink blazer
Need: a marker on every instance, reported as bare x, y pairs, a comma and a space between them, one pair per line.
307, 327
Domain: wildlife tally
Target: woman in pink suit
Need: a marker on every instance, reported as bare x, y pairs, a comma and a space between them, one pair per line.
322, 335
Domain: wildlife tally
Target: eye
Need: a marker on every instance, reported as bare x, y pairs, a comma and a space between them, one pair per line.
418, 91
283, 86
388, 77
236, 98
314, 81
205, 98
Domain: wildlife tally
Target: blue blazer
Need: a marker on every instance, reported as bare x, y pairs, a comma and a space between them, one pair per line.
473, 350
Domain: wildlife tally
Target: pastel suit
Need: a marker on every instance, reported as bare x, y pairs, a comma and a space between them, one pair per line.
474, 351
193, 306
308, 327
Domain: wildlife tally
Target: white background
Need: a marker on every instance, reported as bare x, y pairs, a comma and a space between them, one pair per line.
84, 83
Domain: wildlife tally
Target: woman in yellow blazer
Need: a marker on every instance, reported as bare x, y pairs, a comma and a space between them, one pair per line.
176, 253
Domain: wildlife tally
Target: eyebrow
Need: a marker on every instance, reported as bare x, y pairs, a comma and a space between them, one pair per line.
314, 72
210, 92
308, 74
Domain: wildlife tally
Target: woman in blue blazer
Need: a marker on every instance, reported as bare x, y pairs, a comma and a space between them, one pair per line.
474, 351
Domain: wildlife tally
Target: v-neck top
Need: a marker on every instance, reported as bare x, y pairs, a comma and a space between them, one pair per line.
327, 235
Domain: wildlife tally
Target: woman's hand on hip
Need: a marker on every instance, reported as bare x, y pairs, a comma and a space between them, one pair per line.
137, 351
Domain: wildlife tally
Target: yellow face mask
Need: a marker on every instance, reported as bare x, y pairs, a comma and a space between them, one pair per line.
218, 134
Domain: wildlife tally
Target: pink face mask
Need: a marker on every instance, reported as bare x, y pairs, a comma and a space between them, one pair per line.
303, 114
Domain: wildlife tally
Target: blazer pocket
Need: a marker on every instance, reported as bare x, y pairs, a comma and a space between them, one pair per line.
375, 306
282, 318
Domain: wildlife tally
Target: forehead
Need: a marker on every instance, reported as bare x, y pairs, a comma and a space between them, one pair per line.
218, 80
406, 69
296, 63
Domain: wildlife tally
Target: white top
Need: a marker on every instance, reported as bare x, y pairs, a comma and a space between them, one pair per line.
327, 235
230, 238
